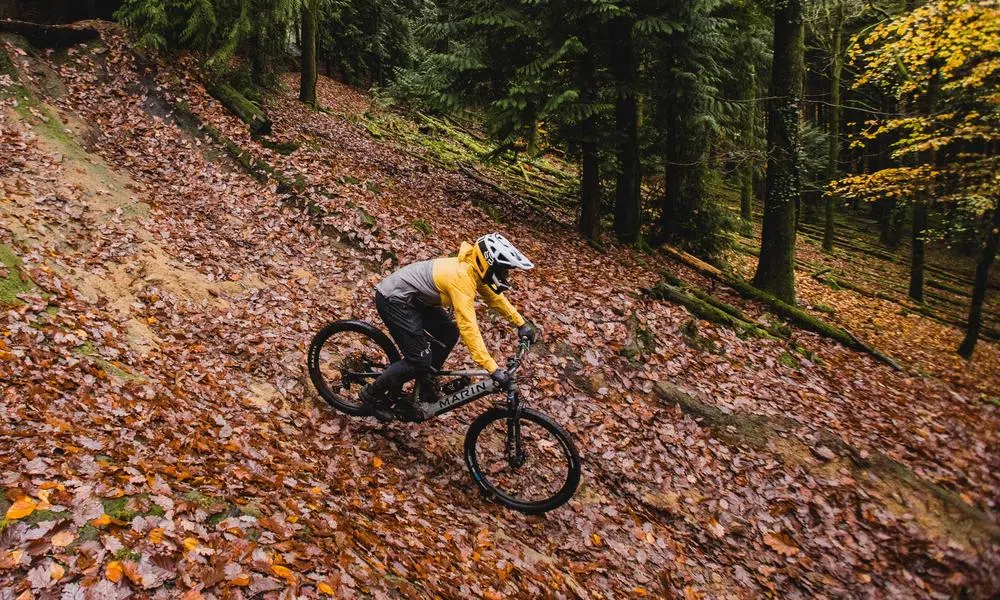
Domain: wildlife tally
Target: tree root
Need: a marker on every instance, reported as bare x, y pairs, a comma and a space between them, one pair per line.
936, 508
782, 309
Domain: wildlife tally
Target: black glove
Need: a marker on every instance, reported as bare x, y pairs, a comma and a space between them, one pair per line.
501, 377
528, 330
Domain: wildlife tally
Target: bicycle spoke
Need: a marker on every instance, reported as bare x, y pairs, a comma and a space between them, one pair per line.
347, 362
543, 470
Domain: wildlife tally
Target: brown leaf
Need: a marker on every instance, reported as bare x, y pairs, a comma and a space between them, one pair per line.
781, 543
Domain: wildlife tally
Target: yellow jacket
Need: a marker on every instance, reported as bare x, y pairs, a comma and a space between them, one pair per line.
457, 282
454, 282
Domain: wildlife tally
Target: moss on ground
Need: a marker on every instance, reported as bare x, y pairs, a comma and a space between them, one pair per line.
127, 554
789, 360
40, 516
117, 508
13, 282
111, 368
422, 226
88, 533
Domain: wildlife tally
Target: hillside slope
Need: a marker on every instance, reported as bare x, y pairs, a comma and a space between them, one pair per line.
159, 436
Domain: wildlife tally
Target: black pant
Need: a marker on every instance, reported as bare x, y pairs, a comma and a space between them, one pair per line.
409, 326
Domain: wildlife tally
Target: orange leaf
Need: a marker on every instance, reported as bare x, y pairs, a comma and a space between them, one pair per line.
57, 571
284, 572
595, 539
63, 538
113, 571
22, 508
377, 462
240, 580
156, 535
325, 588
190, 543
781, 543
101, 521
131, 569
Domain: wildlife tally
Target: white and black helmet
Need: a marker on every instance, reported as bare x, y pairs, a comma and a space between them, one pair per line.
494, 257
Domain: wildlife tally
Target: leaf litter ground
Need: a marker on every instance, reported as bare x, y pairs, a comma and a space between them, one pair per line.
160, 438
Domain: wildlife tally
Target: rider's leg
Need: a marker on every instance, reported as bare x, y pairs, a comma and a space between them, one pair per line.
439, 324
405, 325
442, 328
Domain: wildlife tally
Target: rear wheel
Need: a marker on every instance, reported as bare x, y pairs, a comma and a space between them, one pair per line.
345, 356
534, 476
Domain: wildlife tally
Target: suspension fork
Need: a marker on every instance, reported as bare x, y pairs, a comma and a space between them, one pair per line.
513, 448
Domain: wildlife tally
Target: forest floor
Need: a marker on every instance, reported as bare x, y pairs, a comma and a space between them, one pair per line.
160, 438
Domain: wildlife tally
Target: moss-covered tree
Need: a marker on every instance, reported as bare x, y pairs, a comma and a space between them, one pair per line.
776, 265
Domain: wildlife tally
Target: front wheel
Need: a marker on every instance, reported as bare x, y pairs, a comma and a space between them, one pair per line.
529, 464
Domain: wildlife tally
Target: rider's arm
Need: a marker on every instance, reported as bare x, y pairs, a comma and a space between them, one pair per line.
500, 304
465, 316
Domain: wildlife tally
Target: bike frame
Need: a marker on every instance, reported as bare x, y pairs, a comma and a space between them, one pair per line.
473, 391
476, 390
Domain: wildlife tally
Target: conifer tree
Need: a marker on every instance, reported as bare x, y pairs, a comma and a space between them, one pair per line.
776, 264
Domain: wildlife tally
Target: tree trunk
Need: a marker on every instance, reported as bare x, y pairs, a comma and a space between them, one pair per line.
590, 182
917, 252
982, 280
776, 266
307, 84
628, 204
896, 222
887, 208
833, 168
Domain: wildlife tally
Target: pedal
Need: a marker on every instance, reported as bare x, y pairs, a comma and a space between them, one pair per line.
454, 385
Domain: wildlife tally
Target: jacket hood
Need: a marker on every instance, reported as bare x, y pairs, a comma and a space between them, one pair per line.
465, 252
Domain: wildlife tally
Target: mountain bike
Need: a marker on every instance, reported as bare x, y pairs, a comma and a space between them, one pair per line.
518, 456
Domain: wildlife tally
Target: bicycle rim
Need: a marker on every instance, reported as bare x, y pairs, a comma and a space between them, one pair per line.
550, 472
343, 358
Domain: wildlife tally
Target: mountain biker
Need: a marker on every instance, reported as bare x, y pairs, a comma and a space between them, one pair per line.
411, 303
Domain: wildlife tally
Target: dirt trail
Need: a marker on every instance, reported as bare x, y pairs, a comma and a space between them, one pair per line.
221, 471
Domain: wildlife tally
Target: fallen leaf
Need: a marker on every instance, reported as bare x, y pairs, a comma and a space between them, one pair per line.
113, 571
190, 543
325, 588
101, 521
284, 572
57, 571
22, 508
781, 543
156, 535
63, 538
377, 462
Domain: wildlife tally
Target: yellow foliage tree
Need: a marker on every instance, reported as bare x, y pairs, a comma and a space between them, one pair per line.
941, 62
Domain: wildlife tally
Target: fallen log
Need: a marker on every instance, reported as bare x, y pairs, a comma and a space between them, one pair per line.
782, 309
239, 105
50, 36
707, 311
